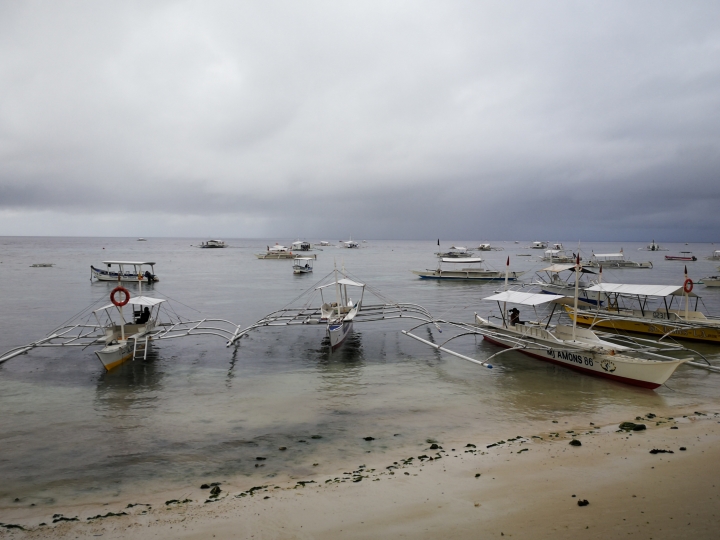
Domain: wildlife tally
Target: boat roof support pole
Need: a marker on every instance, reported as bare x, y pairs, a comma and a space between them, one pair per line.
642, 305
503, 314
667, 310
551, 315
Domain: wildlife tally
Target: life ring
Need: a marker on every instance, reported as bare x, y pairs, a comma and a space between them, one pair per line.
688, 286
122, 290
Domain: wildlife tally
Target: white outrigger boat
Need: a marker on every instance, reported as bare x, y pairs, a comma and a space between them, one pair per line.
339, 315
478, 272
123, 336
615, 261
711, 281
558, 254
539, 245
276, 252
351, 244
459, 252
631, 361
123, 272
715, 256
303, 265
301, 245
488, 247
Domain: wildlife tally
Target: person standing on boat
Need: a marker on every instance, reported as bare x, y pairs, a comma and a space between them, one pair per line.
514, 316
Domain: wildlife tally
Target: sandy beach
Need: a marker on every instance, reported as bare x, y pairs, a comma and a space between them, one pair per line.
526, 485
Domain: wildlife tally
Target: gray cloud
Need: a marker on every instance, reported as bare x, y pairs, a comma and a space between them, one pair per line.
381, 119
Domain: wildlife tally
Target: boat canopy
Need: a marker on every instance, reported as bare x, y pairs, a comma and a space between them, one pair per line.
463, 260
523, 298
304, 258
343, 281
126, 262
639, 290
137, 301
562, 267
621, 255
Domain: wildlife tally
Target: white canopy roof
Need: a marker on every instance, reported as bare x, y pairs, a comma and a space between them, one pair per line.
126, 262
303, 259
609, 254
558, 267
343, 281
462, 260
639, 290
554, 251
523, 298
137, 301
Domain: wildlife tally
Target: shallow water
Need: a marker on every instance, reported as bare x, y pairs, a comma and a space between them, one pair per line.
196, 411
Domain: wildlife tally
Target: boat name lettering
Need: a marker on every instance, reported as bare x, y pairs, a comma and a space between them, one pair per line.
571, 357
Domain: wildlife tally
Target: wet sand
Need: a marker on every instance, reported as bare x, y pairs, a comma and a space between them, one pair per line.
526, 487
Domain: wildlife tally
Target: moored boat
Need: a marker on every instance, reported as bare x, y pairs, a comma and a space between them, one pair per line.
303, 265
715, 256
301, 245
652, 246
455, 252
615, 261
276, 252
212, 244
141, 272
550, 280
474, 270
685, 256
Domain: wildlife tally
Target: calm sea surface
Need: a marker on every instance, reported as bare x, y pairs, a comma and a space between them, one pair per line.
197, 411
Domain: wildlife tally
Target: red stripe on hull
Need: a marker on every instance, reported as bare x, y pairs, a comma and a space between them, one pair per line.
633, 382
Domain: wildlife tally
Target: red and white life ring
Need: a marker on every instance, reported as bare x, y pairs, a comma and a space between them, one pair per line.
688, 286
126, 298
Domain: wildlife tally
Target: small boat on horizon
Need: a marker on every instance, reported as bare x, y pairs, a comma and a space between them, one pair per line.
276, 252
652, 246
456, 252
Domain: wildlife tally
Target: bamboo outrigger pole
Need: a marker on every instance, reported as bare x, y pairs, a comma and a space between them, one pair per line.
577, 285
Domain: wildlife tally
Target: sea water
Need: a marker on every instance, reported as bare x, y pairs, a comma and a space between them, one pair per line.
196, 411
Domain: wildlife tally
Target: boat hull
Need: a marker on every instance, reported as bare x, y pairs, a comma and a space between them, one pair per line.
281, 255
655, 327
643, 373
338, 332
112, 356
474, 276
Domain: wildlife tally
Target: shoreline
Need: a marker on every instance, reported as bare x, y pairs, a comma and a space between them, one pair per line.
524, 489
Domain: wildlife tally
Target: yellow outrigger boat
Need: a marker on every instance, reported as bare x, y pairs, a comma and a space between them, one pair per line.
661, 321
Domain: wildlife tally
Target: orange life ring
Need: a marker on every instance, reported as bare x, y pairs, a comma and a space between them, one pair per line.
688, 286
122, 290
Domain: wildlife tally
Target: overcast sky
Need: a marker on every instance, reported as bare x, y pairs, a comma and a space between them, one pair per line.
378, 119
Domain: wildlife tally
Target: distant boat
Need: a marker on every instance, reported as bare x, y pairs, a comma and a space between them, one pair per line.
276, 252
351, 244
680, 258
539, 245
459, 252
475, 271
303, 265
213, 244
301, 245
715, 256
652, 246
123, 272
615, 260
141, 240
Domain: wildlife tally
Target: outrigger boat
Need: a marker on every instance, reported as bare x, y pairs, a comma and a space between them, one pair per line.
458, 252
123, 336
539, 245
478, 272
652, 246
616, 261
339, 315
711, 281
123, 273
351, 244
558, 254
303, 265
276, 252
301, 245
210, 244
628, 311
488, 247
631, 361
715, 256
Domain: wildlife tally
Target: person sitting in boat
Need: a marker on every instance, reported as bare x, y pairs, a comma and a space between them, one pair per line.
149, 276
144, 316
514, 316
